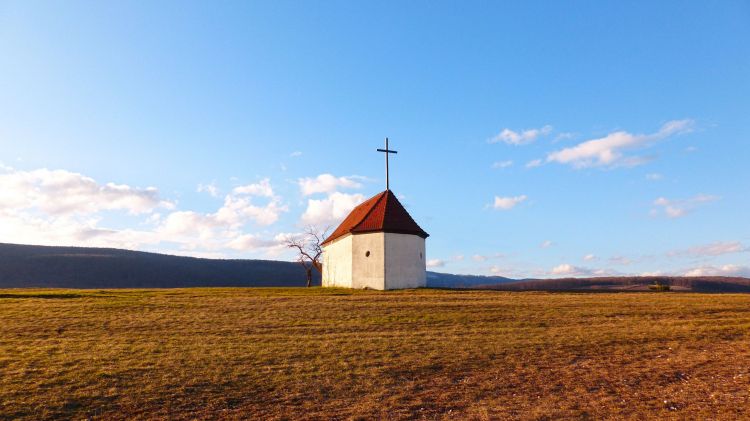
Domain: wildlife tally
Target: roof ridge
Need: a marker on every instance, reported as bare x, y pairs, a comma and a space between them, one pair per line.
386, 209
369, 211
401, 205
380, 213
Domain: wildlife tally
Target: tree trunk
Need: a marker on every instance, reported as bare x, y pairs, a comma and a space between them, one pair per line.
309, 277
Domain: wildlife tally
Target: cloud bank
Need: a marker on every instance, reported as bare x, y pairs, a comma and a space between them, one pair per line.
327, 183
610, 150
59, 207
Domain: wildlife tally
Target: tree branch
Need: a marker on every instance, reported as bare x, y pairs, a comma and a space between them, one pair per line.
308, 247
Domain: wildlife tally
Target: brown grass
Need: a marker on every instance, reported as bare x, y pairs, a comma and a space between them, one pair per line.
340, 354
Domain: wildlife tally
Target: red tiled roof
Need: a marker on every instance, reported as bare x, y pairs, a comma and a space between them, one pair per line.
380, 213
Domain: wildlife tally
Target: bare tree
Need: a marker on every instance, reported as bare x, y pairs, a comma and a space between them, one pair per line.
309, 249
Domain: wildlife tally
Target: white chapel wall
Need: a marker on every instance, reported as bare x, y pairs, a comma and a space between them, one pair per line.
405, 261
337, 263
367, 271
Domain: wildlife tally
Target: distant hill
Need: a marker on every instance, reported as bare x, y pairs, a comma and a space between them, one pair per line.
447, 280
86, 267
628, 283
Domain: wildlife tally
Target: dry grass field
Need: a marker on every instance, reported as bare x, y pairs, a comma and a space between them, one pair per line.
339, 354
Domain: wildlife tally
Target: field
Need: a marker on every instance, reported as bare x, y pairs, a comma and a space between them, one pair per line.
340, 354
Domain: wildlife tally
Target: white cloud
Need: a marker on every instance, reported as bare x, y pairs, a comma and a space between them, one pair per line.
681, 207
499, 271
435, 263
458, 257
711, 250
65, 208
261, 188
331, 210
725, 270
60, 192
506, 203
327, 183
564, 136
295, 154
654, 176
620, 260
608, 151
223, 230
547, 244
483, 258
534, 163
704, 198
674, 212
248, 242
567, 269
211, 189
521, 137
652, 273
589, 258
502, 164
238, 210
27, 228
235, 213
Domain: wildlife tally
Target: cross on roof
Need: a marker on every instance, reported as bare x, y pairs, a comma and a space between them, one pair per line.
387, 152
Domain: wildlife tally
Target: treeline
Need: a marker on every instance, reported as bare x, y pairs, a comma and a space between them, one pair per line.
447, 280
697, 284
83, 267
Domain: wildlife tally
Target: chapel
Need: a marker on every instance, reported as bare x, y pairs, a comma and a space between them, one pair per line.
377, 246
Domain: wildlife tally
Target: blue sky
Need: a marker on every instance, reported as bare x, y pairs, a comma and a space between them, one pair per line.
535, 138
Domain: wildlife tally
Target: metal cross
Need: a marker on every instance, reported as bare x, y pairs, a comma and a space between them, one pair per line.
387, 151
